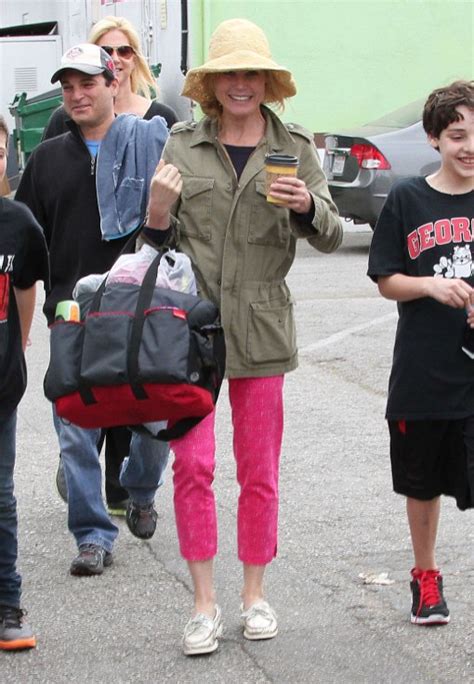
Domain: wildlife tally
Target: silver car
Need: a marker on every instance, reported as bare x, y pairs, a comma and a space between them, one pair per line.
362, 164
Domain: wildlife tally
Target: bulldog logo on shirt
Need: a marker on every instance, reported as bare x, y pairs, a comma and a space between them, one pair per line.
460, 265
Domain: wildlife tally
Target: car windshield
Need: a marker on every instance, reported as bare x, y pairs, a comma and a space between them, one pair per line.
403, 117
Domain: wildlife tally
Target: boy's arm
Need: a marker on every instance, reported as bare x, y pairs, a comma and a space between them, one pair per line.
403, 288
25, 300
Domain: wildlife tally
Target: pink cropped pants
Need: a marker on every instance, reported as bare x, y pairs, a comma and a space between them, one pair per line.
257, 418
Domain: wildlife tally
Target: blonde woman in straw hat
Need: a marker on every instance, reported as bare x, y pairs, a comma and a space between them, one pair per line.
209, 193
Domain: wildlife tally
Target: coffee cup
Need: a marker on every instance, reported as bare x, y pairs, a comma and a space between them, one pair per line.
277, 165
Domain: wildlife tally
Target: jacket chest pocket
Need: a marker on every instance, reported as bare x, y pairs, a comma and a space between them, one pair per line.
269, 224
195, 210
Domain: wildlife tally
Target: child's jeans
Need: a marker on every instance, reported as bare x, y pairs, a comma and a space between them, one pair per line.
257, 417
10, 580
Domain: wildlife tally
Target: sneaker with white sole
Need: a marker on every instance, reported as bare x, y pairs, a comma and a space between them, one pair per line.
428, 604
201, 633
260, 621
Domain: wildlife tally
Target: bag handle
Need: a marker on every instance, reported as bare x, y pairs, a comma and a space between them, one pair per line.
145, 296
95, 303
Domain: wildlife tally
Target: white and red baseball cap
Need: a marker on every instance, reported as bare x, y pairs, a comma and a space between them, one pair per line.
88, 58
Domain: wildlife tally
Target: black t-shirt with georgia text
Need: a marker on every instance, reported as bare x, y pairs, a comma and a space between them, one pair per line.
23, 261
424, 232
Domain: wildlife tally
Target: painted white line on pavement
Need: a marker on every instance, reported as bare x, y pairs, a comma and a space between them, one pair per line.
337, 337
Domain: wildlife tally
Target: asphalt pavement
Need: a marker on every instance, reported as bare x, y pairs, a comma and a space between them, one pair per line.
340, 584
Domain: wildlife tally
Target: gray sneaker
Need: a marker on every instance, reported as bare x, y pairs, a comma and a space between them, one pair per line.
15, 633
91, 560
141, 519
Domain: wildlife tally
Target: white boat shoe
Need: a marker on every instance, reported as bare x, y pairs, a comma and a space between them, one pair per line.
260, 621
201, 633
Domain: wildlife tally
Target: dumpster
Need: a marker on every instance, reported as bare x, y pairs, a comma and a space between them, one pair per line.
31, 116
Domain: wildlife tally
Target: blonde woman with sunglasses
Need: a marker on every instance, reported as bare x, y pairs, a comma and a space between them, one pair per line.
118, 37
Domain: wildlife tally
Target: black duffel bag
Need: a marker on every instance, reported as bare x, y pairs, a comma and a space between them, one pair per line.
140, 354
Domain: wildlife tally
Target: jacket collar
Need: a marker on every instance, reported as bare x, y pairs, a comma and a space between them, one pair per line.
73, 127
276, 135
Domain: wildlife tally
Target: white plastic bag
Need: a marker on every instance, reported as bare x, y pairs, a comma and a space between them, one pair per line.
131, 268
87, 285
174, 272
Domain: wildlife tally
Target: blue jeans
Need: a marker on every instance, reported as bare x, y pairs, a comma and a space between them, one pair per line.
142, 471
10, 580
142, 474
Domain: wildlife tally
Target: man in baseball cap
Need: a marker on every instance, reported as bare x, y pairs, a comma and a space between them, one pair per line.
89, 84
88, 58
60, 186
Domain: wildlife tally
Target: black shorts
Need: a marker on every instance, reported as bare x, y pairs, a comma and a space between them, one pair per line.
433, 457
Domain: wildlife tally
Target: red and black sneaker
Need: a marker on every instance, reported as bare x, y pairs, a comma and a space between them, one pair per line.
429, 606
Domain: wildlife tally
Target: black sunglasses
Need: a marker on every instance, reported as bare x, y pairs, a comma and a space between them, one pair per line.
125, 51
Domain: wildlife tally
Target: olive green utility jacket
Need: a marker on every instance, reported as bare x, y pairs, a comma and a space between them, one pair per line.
241, 246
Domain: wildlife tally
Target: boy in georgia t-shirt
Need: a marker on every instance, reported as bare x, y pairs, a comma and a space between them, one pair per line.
421, 256
23, 261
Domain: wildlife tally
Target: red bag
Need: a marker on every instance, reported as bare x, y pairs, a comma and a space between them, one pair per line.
140, 354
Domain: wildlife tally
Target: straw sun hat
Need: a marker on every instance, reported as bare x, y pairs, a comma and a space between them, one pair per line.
237, 45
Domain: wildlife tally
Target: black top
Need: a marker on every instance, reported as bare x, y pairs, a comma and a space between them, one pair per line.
23, 261
160, 109
58, 184
57, 123
239, 156
423, 232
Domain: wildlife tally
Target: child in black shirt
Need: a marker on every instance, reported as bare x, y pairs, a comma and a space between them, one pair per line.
23, 261
421, 257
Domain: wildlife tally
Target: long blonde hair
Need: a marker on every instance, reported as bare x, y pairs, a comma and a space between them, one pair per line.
142, 80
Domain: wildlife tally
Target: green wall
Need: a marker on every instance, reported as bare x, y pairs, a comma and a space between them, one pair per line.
353, 60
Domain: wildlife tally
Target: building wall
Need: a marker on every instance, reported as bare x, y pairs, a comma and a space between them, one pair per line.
353, 60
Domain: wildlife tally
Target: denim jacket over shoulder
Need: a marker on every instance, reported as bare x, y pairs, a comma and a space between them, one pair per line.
126, 162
